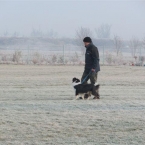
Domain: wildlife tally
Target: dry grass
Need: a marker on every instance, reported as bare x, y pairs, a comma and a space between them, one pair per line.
37, 107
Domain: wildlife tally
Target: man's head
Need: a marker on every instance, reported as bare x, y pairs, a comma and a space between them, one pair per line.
87, 41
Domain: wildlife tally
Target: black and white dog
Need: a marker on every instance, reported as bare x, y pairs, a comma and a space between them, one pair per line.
82, 89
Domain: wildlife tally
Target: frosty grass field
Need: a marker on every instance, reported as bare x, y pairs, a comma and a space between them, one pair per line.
37, 107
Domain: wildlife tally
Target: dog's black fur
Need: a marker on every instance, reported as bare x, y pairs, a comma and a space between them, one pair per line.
82, 89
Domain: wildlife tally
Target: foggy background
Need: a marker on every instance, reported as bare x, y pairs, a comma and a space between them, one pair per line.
64, 17
46, 32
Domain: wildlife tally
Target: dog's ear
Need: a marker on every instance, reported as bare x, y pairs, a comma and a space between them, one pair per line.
73, 79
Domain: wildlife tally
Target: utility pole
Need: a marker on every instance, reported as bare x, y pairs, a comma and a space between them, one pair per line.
63, 55
140, 56
103, 54
28, 56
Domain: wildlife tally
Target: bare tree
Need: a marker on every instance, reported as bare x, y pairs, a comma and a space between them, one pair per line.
118, 44
17, 56
6, 33
80, 34
36, 33
16, 34
103, 31
51, 34
134, 44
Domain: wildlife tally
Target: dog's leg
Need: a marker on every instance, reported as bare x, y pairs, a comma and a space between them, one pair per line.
89, 95
76, 97
83, 96
95, 94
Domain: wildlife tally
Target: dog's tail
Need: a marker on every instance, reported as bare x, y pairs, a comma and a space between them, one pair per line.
97, 86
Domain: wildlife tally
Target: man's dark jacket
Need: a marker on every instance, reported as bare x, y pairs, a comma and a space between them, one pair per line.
92, 58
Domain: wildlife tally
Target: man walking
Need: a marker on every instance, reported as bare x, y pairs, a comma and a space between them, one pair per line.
92, 65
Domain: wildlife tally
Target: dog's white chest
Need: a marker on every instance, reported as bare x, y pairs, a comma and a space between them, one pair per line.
75, 84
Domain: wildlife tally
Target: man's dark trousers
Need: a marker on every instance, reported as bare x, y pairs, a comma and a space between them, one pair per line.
92, 76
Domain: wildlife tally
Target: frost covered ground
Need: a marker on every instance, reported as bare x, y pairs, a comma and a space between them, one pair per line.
37, 107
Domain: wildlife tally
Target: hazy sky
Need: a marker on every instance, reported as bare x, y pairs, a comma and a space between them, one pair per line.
126, 17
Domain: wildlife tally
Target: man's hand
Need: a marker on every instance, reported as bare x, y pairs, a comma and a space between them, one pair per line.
93, 70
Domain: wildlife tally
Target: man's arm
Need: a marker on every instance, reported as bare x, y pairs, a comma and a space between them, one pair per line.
95, 55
